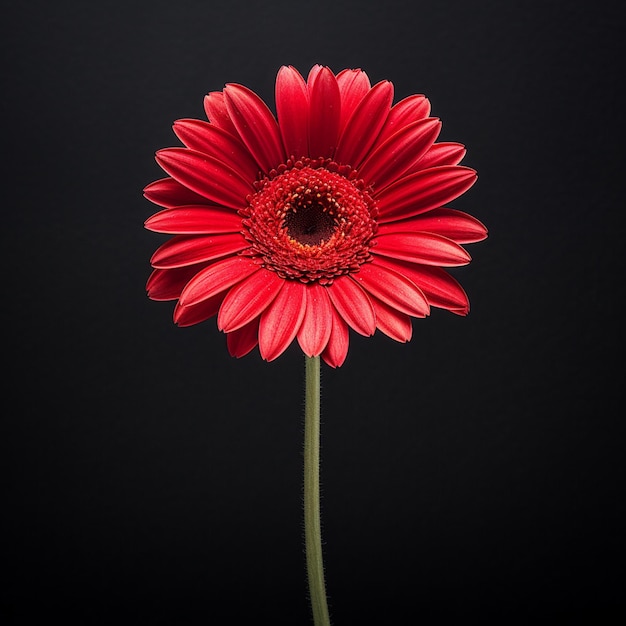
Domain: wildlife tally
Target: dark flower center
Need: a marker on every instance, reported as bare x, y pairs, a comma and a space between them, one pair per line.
310, 224
311, 221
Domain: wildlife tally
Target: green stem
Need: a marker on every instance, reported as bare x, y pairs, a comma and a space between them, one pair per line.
312, 527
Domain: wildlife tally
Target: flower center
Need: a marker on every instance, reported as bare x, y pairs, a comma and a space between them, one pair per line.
311, 221
311, 225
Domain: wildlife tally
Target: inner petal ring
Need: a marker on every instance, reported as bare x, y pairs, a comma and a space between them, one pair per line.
311, 221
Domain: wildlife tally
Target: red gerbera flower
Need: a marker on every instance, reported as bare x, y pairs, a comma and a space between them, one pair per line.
327, 218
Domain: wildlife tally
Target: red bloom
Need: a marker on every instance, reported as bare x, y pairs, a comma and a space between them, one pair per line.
330, 218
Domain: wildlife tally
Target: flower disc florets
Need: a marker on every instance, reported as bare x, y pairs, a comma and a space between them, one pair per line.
311, 220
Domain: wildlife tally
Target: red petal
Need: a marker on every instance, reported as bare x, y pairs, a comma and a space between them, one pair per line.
218, 143
450, 223
243, 340
426, 248
364, 125
353, 86
318, 320
217, 113
292, 109
256, 126
353, 305
196, 313
189, 220
310, 79
392, 288
169, 193
216, 278
187, 250
248, 300
402, 150
324, 113
206, 175
443, 153
281, 321
405, 112
441, 289
423, 191
391, 322
336, 350
168, 284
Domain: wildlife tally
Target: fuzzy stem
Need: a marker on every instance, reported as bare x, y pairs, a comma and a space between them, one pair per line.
312, 527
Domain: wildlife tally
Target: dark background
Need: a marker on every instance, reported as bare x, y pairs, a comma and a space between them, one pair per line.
474, 473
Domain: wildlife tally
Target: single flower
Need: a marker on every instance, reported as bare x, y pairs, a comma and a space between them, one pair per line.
327, 217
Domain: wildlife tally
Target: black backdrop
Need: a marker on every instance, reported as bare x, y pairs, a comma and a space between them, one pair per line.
476, 472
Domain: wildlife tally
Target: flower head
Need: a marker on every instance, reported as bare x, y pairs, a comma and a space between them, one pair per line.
329, 216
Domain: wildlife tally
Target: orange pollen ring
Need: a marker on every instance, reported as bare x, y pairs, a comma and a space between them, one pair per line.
310, 220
